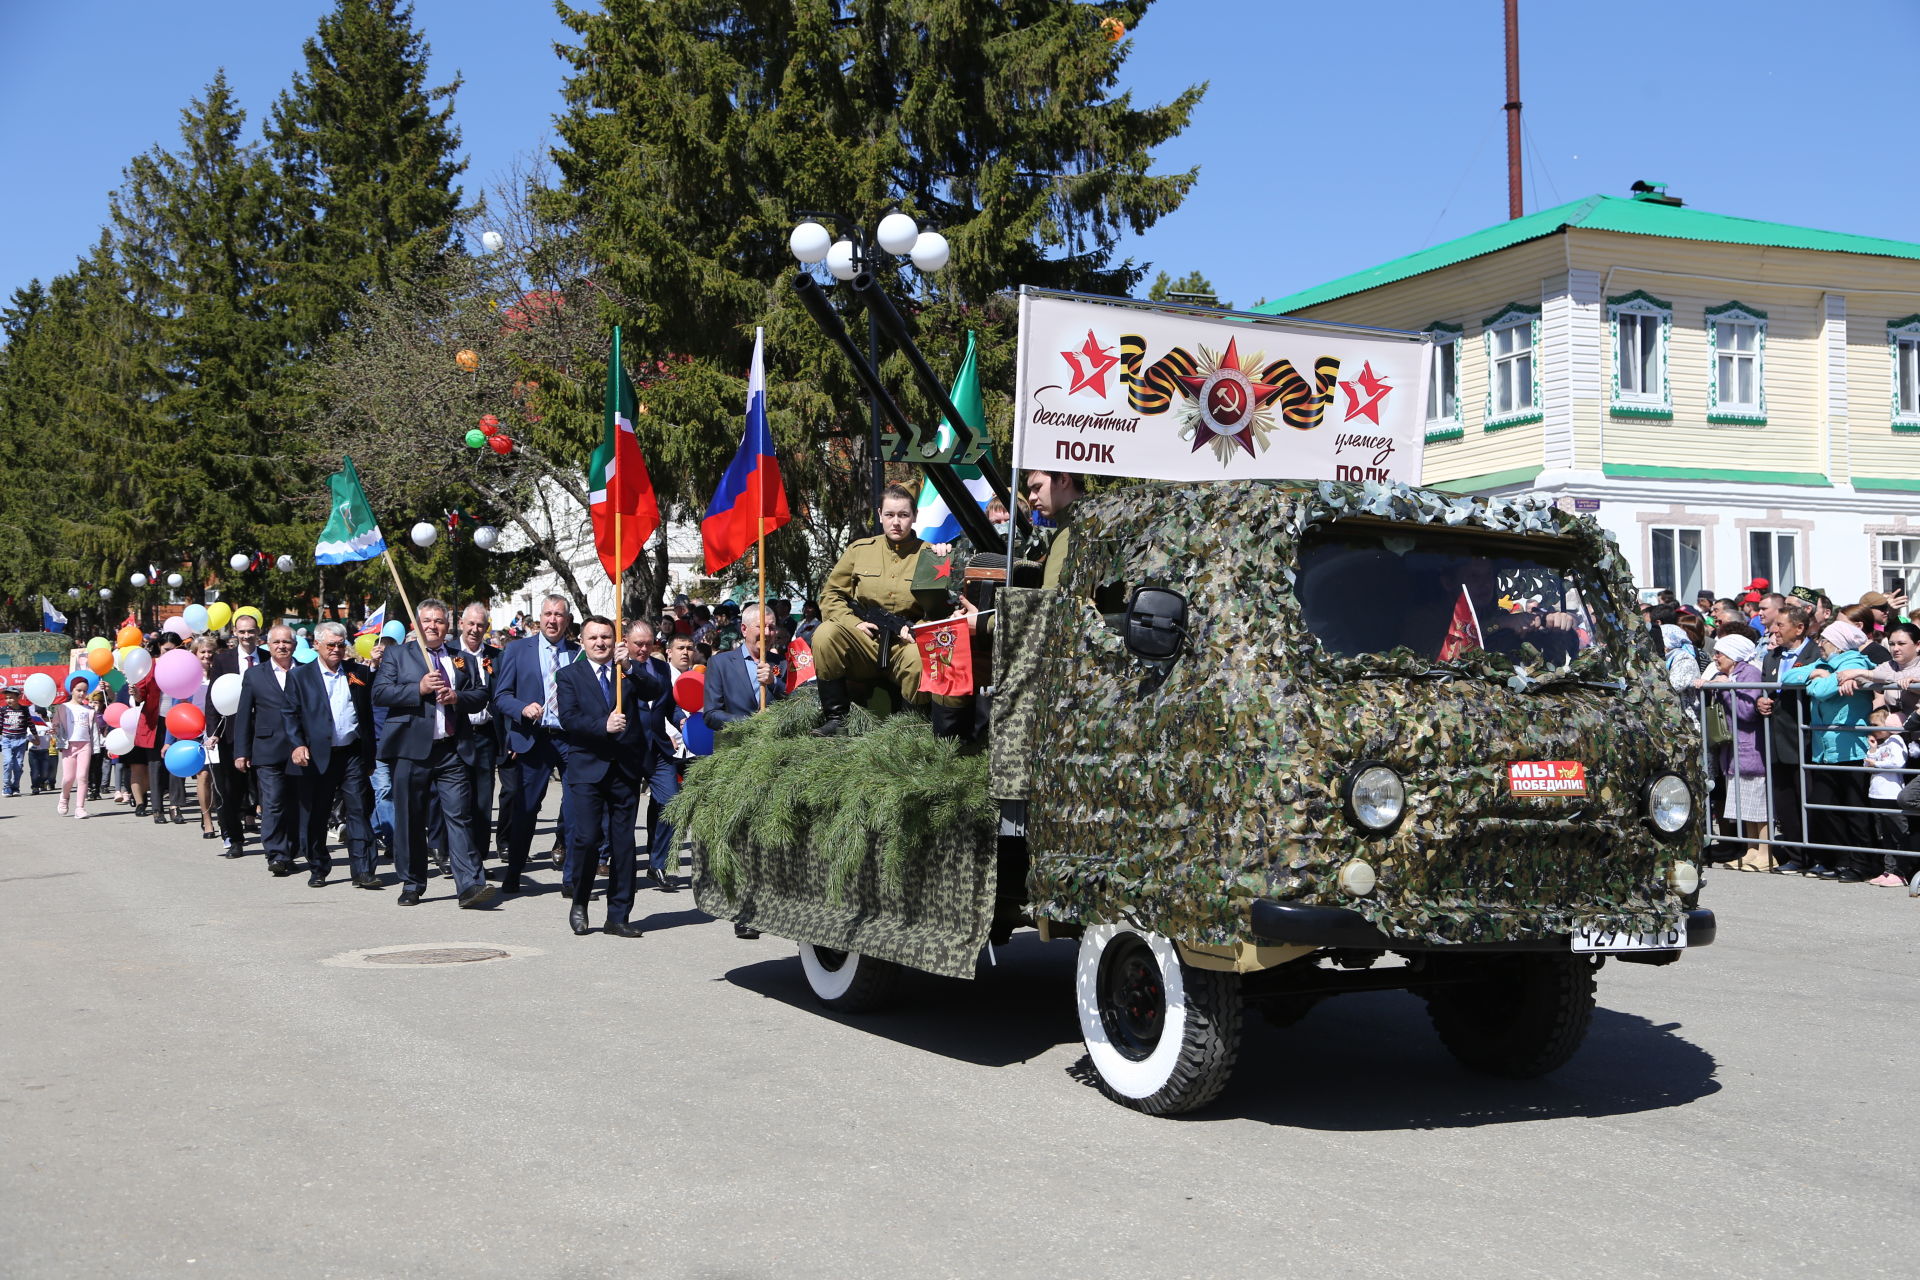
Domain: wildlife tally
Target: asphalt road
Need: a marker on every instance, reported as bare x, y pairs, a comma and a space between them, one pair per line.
193, 1084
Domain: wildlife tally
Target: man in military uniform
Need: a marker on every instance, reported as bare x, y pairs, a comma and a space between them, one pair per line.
1052, 494
865, 610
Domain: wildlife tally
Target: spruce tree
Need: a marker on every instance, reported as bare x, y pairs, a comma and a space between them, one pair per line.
365, 149
698, 130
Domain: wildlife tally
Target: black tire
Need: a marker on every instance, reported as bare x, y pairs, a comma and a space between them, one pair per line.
1162, 1035
848, 982
1524, 1018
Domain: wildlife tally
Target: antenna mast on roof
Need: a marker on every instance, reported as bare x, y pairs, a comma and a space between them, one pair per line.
1515, 206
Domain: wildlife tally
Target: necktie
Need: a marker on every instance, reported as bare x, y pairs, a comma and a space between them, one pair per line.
606, 686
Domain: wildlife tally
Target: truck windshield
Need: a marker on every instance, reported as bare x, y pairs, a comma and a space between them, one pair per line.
1441, 593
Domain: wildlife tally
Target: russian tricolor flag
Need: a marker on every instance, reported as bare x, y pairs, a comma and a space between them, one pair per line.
751, 490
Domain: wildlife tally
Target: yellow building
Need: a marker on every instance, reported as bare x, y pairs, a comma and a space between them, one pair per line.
1730, 398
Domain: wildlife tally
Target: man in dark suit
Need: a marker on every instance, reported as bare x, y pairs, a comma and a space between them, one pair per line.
526, 700
485, 661
1790, 646
330, 723
736, 676
428, 742
261, 748
607, 757
232, 795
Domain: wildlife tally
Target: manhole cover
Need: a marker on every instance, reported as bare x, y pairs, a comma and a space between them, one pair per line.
437, 955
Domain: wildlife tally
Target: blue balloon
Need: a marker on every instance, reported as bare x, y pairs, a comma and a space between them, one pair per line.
304, 652
185, 759
699, 738
395, 631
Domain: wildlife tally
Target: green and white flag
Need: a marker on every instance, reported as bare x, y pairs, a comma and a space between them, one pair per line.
351, 533
934, 522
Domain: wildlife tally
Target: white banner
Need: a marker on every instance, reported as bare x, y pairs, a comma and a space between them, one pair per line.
1129, 390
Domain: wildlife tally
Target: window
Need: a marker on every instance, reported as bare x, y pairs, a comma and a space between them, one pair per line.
1443, 381
1903, 342
1641, 326
1513, 387
1676, 561
1900, 566
1736, 389
1771, 555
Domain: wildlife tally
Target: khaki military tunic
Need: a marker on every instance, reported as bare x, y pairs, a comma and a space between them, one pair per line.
873, 571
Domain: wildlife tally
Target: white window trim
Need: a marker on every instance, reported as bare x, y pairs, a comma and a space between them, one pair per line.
1773, 570
1679, 588
1755, 413
1883, 566
1898, 331
1441, 334
1640, 303
1512, 316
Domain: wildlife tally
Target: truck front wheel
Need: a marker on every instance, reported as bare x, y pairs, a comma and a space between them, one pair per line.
1523, 1017
848, 982
1162, 1035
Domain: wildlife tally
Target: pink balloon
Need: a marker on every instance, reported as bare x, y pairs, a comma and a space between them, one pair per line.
179, 673
116, 712
177, 627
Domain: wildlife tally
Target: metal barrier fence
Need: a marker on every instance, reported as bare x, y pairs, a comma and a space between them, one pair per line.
1790, 820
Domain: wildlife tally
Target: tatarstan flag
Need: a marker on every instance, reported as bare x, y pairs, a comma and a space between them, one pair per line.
617, 478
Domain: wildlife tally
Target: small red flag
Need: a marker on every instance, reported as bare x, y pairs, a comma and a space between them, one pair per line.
1463, 633
799, 664
946, 657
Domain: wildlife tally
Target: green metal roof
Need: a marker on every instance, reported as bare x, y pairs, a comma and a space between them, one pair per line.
1596, 213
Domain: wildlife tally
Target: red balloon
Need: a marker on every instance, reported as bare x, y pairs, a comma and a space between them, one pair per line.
489, 424
690, 691
113, 713
501, 444
186, 721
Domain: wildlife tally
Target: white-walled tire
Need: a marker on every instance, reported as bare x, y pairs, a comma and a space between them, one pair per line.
848, 982
1162, 1036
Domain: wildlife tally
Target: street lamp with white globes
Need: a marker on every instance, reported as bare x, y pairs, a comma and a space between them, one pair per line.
845, 258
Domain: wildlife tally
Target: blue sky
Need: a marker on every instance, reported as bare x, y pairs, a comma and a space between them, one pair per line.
1332, 137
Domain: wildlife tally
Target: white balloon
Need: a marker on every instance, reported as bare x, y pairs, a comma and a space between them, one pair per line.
840, 260
809, 242
73, 593
174, 580
930, 251
106, 593
225, 694
138, 579
135, 663
40, 689
237, 563
485, 536
424, 534
284, 564
897, 233
119, 742
492, 241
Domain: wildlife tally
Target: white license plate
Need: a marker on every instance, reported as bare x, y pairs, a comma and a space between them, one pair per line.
1601, 938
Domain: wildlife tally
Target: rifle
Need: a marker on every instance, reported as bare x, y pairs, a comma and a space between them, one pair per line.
886, 620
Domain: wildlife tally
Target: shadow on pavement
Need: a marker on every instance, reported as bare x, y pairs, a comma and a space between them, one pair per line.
672, 919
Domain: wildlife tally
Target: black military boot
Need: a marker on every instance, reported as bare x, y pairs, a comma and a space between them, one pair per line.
833, 707
951, 722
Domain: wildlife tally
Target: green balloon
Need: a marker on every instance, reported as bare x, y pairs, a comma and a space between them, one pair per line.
476, 438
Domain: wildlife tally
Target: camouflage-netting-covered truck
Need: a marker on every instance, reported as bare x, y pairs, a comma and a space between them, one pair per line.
1269, 741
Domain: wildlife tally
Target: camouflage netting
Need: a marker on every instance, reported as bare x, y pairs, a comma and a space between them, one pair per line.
1175, 807
881, 842
35, 649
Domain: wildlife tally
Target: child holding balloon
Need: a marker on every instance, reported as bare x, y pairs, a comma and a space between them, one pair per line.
76, 732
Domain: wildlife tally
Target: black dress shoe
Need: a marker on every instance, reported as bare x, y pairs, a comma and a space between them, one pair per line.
479, 896
409, 898
280, 867
603, 869
318, 880
140, 810
668, 885
208, 835
178, 817
438, 858
367, 882
231, 851
577, 917
624, 930
746, 931
510, 884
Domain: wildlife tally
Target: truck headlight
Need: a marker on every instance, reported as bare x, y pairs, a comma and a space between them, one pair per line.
1669, 804
1376, 797
1357, 878
1684, 878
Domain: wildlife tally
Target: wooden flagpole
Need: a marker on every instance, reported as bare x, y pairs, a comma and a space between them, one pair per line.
760, 538
619, 596
411, 616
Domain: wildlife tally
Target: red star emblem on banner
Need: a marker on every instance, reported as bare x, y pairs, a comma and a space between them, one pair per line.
1364, 395
1090, 365
1228, 399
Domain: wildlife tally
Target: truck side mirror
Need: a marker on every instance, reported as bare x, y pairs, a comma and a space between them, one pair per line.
1156, 623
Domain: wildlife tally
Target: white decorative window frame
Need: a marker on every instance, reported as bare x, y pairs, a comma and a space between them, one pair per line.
1907, 330
1449, 426
1743, 415
1701, 535
1511, 316
1773, 533
1641, 303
